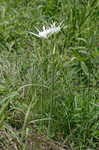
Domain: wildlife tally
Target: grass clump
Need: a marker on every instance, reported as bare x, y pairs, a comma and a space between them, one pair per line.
50, 84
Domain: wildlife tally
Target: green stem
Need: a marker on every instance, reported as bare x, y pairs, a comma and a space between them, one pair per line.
52, 96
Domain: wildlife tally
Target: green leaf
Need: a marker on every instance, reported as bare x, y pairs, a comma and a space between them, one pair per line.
84, 68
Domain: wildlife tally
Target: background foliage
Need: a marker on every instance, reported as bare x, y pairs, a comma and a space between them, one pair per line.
53, 84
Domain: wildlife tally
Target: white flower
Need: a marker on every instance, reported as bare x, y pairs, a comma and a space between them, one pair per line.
46, 32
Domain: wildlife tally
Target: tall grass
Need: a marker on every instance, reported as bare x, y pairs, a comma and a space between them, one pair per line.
50, 84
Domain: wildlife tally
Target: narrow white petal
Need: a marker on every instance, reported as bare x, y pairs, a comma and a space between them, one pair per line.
54, 24
43, 27
34, 34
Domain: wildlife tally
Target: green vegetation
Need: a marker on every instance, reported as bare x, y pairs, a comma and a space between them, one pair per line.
50, 84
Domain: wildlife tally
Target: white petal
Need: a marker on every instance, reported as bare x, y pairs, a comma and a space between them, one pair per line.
34, 34
43, 27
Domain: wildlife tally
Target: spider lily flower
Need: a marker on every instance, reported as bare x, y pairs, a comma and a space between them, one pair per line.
46, 32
